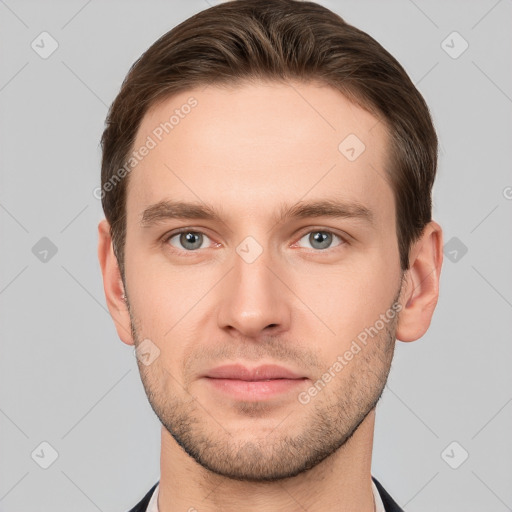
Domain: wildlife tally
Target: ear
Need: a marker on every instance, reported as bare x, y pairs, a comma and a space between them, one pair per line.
421, 288
113, 284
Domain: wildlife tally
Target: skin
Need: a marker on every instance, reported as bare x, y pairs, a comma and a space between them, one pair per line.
248, 150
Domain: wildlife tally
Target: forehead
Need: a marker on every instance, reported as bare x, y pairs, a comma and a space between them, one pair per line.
251, 147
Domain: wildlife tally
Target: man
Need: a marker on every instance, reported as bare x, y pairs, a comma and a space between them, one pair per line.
266, 181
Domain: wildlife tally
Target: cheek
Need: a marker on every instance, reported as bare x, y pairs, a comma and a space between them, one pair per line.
167, 302
349, 299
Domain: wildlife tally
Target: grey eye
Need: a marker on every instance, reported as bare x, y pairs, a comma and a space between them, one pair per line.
320, 239
188, 240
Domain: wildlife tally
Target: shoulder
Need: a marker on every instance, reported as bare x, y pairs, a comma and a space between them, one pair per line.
143, 504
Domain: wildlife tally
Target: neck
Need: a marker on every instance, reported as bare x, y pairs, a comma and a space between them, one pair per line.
341, 482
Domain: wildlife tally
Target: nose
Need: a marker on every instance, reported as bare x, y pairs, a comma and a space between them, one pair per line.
255, 300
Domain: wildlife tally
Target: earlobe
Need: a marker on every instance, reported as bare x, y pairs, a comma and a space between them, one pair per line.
421, 288
113, 284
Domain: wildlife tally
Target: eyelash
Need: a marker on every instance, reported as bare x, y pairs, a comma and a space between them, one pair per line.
168, 237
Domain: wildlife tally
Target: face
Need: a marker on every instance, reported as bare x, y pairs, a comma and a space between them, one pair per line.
298, 267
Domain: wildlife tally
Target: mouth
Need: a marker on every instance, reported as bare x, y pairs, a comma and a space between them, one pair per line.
253, 384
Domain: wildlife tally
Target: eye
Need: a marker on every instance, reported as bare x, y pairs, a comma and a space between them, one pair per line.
321, 239
187, 239
190, 240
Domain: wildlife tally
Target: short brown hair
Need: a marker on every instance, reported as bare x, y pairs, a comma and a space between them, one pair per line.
278, 40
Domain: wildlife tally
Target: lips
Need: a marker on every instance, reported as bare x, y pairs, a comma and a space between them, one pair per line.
259, 373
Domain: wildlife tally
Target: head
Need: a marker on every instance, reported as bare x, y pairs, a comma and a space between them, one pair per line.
266, 181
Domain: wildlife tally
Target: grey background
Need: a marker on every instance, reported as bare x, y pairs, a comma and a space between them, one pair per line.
65, 377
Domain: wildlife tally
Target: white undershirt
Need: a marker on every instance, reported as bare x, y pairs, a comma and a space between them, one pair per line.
379, 506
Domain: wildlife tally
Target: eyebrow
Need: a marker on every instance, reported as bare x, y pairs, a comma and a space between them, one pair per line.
165, 210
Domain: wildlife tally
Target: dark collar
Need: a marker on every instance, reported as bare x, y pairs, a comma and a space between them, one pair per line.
389, 503
143, 504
